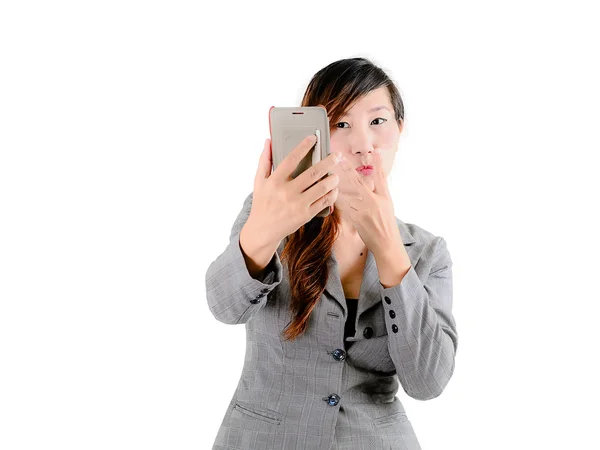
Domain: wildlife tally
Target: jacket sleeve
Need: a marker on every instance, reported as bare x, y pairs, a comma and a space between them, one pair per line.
422, 335
233, 294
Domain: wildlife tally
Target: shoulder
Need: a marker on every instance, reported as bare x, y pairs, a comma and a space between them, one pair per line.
413, 234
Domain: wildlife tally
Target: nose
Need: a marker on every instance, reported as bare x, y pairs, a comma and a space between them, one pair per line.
361, 142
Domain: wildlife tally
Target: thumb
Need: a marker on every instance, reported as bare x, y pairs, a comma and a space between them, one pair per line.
265, 163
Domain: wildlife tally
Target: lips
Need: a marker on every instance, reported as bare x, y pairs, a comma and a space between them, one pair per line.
365, 170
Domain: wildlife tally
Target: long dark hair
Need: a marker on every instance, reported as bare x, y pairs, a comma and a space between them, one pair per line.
336, 87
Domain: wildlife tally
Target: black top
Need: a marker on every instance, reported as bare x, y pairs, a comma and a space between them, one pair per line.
349, 330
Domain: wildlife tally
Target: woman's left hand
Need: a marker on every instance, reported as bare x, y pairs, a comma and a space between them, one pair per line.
373, 212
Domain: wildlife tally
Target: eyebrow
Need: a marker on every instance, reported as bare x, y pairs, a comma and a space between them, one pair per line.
375, 108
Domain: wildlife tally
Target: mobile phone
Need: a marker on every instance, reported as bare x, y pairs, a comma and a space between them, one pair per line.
289, 126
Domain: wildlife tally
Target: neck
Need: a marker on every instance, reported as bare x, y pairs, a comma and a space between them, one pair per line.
348, 233
347, 229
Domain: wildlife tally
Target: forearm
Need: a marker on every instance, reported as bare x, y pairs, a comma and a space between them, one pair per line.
393, 264
422, 331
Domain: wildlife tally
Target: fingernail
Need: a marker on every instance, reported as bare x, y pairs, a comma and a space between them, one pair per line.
338, 156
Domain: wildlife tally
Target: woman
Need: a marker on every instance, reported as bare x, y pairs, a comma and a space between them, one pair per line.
365, 303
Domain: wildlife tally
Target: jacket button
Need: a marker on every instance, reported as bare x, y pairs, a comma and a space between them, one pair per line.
392, 313
332, 400
256, 300
339, 354
264, 290
395, 328
387, 300
368, 333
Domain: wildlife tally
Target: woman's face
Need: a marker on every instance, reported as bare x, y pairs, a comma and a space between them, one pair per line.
360, 131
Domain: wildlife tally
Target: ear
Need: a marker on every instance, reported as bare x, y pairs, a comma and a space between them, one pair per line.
401, 126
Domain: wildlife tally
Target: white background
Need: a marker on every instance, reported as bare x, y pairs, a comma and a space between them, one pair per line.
130, 134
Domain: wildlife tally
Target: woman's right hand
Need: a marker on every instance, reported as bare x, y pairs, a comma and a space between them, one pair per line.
280, 204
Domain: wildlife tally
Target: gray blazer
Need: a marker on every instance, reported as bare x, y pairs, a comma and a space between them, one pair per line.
309, 393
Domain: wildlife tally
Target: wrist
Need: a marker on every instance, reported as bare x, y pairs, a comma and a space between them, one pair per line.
259, 236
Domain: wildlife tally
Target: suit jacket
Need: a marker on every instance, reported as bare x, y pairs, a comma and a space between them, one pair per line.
309, 393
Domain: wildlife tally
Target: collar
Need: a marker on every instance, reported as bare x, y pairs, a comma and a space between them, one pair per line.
370, 290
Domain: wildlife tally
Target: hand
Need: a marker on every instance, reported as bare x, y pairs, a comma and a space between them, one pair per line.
372, 213
280, 204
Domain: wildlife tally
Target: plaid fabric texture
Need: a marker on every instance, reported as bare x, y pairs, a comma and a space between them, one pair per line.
302, 394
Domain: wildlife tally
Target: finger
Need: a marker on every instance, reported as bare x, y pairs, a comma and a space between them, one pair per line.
264, 163
354, 177
291, 161
355, 203
381, 186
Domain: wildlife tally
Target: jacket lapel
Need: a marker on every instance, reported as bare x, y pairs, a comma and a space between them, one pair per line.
370, 288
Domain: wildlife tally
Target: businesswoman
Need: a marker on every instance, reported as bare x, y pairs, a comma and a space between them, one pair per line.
364, 302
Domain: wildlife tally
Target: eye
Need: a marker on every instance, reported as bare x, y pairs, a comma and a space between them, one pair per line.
379, 118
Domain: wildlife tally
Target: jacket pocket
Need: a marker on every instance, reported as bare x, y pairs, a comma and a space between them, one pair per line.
266, 415
395, 418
